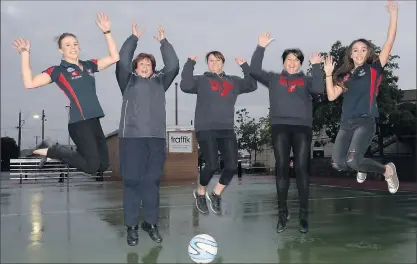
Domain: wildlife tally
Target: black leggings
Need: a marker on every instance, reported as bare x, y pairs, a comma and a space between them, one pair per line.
210, 143
92, 155
299, 138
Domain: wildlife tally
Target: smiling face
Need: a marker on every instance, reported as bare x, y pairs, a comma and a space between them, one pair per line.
145, 65
292, 64
292, 60
215, 62
359, 53
144, 68
69, 48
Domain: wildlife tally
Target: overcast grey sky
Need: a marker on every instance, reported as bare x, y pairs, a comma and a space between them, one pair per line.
193, 27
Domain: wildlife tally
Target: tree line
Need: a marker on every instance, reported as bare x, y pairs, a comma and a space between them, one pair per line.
397, 120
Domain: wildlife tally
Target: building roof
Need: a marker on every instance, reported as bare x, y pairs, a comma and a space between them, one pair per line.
169, 129
409, 95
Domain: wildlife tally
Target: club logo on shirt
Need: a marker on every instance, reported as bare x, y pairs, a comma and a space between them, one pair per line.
291, 88
361, 73
90, 72
291, 84
70, 69
223, 88
75, 75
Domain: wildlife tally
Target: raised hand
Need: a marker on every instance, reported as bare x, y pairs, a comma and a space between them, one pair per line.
240, 60
329, 65
316, 58
194, 58
265, 39
21, 45
161, 33
103, 22
392, 6
135, 31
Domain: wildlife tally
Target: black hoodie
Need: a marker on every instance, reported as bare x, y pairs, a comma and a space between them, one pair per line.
216, 95
289, 94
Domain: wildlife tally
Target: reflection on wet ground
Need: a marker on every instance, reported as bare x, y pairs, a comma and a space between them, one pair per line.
83, 223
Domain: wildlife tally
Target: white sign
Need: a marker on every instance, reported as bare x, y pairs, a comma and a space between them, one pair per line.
180, 142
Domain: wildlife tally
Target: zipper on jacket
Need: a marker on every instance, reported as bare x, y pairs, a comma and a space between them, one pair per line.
124, 118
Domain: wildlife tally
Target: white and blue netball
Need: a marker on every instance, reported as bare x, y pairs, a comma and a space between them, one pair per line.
202, 248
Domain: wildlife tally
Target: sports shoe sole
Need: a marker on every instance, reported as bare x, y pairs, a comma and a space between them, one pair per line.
394, 169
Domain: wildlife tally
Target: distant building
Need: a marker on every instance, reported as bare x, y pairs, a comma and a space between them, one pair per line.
410, 96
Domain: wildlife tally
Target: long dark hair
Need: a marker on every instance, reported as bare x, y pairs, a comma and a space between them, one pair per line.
348, 65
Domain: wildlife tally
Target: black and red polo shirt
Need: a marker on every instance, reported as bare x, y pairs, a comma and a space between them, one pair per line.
362, 89
80, 87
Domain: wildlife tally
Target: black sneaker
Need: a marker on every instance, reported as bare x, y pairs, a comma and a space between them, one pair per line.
200, 202
303, 221
132, 235
152, 231
215, 202
283, 219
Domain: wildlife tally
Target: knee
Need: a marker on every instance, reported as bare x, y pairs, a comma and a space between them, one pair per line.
211, 167
130, 181
339, 164
231, 167
282, 165
352, 161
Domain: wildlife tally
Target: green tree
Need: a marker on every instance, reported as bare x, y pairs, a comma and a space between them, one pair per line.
9, 150
250, 133
327, 114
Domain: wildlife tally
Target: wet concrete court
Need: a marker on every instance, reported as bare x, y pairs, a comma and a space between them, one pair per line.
82, 222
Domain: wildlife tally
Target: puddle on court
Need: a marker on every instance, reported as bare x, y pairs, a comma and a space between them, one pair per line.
363, 245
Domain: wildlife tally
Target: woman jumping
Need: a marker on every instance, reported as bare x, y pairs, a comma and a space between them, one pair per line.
214, 121
76, 79
358, 79
291, 112
142, 130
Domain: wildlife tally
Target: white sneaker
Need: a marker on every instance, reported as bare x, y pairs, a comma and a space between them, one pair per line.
392, 181
361, 177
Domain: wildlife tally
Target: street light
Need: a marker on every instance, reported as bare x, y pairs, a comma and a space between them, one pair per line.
68, 107
36, 116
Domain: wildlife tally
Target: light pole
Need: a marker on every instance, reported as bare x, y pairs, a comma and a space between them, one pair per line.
43, 118
176, 104
43, 124
68, 107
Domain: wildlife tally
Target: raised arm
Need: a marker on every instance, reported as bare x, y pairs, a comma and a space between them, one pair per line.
256, 71
247, 84
333, 91
392, 31
170, 58
316, 81
124, 65
104, 24
29, 82
189, 82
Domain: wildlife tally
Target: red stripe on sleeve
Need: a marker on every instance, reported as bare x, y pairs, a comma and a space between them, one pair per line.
50, 70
